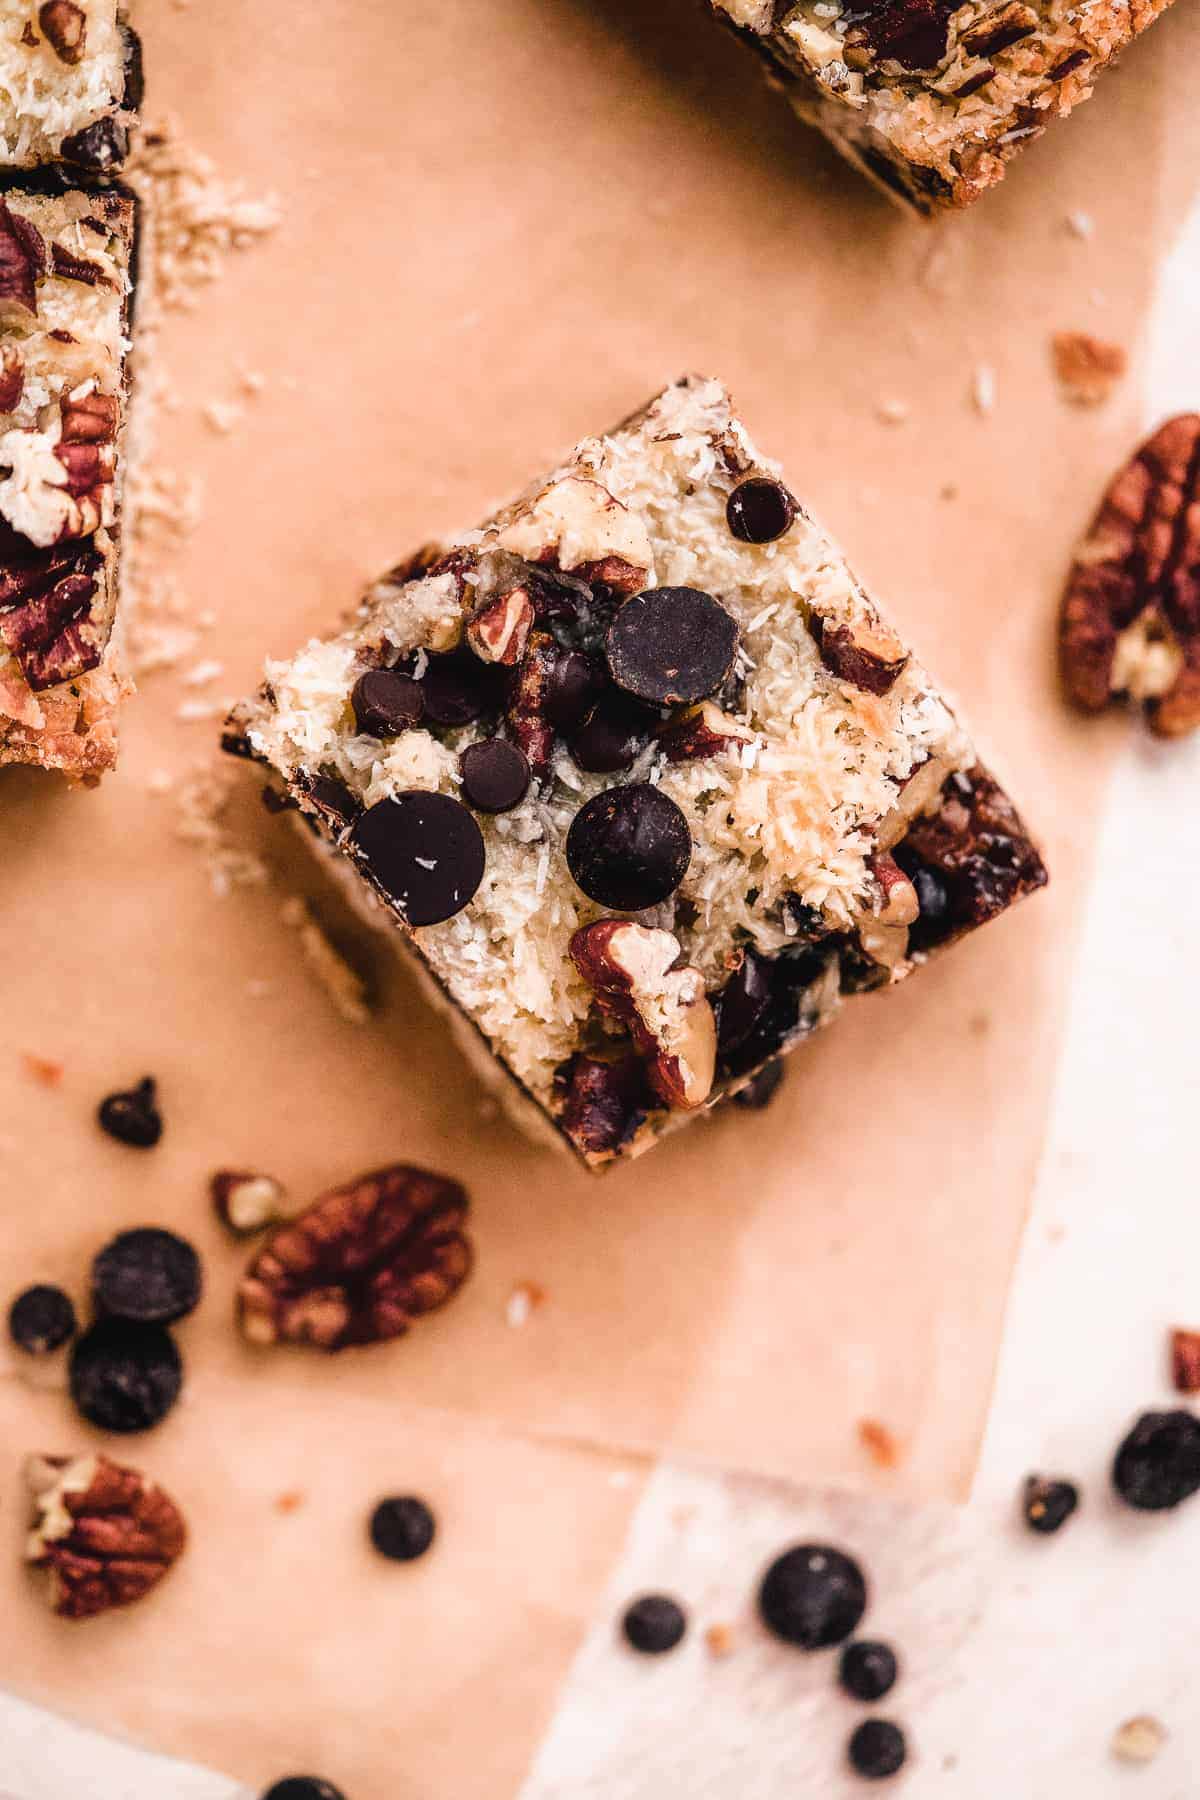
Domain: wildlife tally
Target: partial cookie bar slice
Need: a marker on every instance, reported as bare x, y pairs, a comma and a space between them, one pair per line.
931, 99
70, 84
65, 296
642, 777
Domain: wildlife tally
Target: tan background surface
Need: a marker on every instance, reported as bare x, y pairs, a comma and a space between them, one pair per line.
505, 226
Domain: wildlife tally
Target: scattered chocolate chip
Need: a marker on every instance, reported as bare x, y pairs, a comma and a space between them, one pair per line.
877, 1749
813, 1596
671, 645
867, 1669
612, 736
426, 852
1048, 1504
1158, 1462
386, 703
402, 1528
132, 1116
457, 689
41, 1319
629, 847
303, 1787
762, 1088
743, 1000
573, 683
148, 1276
125, 1377
654, 1624
760, 510
495, 775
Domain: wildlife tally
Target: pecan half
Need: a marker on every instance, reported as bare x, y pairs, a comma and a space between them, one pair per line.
498, 630
702, 730
1130, 618
64, 26
632, 970
22, 260
46, 611
361, 1264
12, 378
105, 1533
866, 652
602, 1102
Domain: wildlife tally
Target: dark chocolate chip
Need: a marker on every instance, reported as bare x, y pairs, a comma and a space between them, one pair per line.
457, 689
573, 684
790, 1015
813, 1596
629, 847
402, 1528
274, 802
147, 1275
868, 1670
760, 510
426, 852
654, 1624
99, 147
933, 923
743, 1000
125, 1377
132, 1116
762, 1088
134, 91
41, 1319
495, 775
671, 645
877, 1749
613, 735
1046, 1505
334, 797
1158, 1462
386, 703
236, 743
303, 1787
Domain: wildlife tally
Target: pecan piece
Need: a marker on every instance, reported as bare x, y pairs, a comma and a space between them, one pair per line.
46, 612
866, 653
999, 30
1088, 369
77, 268
529, 700
361, 1264
105, 1533
1185, 1361
602, 1102
64, 26
883, 934
634, 974
577, 525
22, 260
968, 861
702, 730
614, 573
89, 418
12, 378
1130, 618
498, 630
246, 1203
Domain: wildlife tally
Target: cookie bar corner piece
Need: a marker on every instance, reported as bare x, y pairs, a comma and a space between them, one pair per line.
931, 99
70, 85
65, 292
642, 777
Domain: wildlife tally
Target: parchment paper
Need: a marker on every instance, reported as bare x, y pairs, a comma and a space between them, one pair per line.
505, 226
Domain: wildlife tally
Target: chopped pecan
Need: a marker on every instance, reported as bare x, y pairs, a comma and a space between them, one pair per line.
702, 730
883, 934
64, 25
1185, 1361
89, 418
361, 1264
602, 1102
529, 700
498, 630
46, 611
614, 573
969, 861
105, 1533
77, 268
1087, 368
866, 652
22, 260
1130, 619
633, 971
12, 378
247, 1203
576, 524
999, 30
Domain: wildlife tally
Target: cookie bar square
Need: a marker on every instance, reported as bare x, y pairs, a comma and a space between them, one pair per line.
70, 84
930, 98
642, 777
65, 295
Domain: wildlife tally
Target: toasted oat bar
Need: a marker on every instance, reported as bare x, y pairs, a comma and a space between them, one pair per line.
65, 292
70, 84
642, 776
929, 98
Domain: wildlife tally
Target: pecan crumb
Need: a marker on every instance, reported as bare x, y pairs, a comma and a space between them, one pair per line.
245, 1202
43, 1069
290, 1502
523, 1301
1139, 1739
720, 1640
1185, 1361
879, 1443
1088, 369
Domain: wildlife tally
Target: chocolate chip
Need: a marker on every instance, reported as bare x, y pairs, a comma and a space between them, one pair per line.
760, 510
457, 689
1158, 1462
41, 1319
868, 1670
99, 147
629, 847
1046, 1505
654, 1624
789, 1016
877, 1749
149, 1276
573, 684
495, 775
386, 703
933, 923
743, 1000
131, 1116
402, 1528
125, 1377
425, 851
303, 1787
812, 1596
612, 736
762, 1088
670, 646
334, 798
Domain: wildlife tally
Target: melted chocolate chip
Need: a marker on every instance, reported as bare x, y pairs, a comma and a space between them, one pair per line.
334, 798
613, 735
402, 1528
495, 775
457, 689
125, 1377
629, 847
425, 851
743, 1000
654, 1624
41, 1319
812, 1596
386, 703
760, 510
787, 1017
147, 1275
670, 646
877, 1749
573, 684
132, 1116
